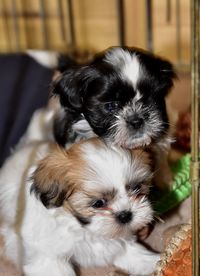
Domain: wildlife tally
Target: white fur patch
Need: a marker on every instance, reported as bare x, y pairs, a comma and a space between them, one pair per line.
128, 64
114, 167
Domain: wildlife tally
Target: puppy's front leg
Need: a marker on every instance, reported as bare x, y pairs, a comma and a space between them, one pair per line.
127, 255
137, 260
93, 251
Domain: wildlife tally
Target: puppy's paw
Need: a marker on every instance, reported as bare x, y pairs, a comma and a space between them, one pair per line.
137, 259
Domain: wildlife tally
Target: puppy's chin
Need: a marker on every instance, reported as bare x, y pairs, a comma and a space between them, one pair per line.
109, 228
134, 143
128, 141
138, 142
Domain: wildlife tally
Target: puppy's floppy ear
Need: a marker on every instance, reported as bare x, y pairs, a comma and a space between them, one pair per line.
72, 86
160, 72
50, 183
52, 196
166, 74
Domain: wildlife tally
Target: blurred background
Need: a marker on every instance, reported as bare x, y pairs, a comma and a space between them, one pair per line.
63, 25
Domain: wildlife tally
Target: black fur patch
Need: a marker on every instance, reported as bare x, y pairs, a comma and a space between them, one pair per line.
86, 89
62, 127
82, 220
51, 198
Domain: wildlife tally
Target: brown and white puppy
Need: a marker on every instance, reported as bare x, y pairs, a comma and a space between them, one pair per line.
78, 206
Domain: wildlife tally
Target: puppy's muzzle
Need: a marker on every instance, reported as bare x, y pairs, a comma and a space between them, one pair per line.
124, 217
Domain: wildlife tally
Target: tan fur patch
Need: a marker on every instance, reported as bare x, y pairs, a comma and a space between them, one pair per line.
142, 155
60, 167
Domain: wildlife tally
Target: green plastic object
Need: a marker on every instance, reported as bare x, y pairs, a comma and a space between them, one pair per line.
180, 189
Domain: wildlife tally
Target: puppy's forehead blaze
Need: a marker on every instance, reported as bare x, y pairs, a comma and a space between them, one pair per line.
126, 62
113, 166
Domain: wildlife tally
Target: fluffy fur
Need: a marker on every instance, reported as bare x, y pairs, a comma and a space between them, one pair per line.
81, 206
119, 96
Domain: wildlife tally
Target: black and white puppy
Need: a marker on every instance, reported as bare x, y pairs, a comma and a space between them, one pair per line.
119, 96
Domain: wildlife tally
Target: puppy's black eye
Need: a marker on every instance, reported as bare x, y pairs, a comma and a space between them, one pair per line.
99, 203
112, 106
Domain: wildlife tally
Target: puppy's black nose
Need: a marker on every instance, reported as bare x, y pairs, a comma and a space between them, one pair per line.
124, 217
136, 122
